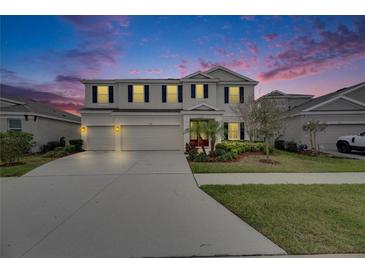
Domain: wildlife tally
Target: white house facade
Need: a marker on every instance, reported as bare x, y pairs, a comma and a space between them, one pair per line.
155, 114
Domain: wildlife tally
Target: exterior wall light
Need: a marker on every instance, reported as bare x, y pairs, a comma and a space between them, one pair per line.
83, 129
117, 129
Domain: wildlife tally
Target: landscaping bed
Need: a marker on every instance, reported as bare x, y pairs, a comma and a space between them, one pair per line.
301, 219
284, 162
28, 163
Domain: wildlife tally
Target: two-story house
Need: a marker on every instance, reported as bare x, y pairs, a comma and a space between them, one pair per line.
155, 114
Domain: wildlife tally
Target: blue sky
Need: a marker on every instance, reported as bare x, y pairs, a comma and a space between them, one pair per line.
299, 54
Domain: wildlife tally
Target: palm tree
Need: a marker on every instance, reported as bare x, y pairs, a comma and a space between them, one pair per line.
212, 128
198, 128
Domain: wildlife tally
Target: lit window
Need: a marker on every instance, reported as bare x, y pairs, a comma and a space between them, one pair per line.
172, 94
103, 95
15, 124
138, 94
193, 133
233, 131
199, 91
234, 96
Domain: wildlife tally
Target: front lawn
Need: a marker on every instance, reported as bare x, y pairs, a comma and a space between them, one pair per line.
288, 162
31, 162
301, 219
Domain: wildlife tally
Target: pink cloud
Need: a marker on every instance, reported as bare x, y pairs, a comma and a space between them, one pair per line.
270, 37
154, 71
182, 67
305, 56
232, 64
134, 71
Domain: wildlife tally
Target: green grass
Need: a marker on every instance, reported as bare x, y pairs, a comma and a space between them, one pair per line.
31, 162
302, 219
289, 162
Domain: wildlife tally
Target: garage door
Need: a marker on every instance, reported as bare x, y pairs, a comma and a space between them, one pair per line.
151, 138
100, 138
328, 138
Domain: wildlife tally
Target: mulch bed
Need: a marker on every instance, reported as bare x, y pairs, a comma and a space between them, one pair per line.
269, 161
12, 164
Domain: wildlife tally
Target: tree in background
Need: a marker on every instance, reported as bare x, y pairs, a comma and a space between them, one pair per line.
314, 127
246, 112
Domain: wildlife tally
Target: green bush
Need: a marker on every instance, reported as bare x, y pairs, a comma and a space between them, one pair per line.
59, 149
201, 157
77, 143
14, 144
292, 147
219, 151
239, 147
228, 156
70, 148
56, 153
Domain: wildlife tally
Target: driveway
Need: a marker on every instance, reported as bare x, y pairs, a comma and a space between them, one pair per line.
119, 204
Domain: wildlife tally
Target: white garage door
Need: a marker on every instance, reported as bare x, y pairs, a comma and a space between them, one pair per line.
328, 138
100, 138
151, 138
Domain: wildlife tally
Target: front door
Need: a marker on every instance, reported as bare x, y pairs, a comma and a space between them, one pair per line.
194, 140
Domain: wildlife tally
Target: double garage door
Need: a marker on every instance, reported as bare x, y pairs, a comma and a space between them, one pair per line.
327, 139
138, 137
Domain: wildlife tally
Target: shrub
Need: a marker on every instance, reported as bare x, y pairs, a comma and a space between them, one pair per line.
221, 146
14, 144
59, 149
57, 153
280, 144
228, 156
240, 147
292, 147
70, 148
201, 157
219, 151
77, 143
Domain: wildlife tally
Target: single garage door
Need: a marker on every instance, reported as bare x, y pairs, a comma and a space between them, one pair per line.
327, 139
151, 137
100, 138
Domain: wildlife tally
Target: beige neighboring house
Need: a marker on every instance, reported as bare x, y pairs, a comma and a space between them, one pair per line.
343, 111
155, 114
45, 123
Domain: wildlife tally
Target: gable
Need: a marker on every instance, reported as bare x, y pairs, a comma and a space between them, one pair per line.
224, 75
339, 105
358, 94
203, 107
198, 75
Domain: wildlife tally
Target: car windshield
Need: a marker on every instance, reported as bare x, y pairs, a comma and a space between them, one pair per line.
362, 133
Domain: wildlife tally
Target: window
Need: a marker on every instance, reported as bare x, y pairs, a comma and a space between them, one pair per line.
15, 124
199, 91
234, 95
138, 93
233, 131
172, 94
103, 94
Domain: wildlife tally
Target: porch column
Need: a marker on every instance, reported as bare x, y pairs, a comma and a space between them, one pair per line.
186, 126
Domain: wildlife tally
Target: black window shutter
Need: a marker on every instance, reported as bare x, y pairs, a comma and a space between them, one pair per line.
205, 91
180, 93
242, 131
164, 94
226, 95
146, 93
95, 94
225, 131
192, 90
111, 94
242, 95
130, 93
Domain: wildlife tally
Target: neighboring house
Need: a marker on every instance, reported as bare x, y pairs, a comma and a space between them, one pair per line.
286, 101
45, 123
155, 114
343, 111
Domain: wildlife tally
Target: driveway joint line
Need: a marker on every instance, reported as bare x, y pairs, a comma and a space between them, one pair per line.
68, 217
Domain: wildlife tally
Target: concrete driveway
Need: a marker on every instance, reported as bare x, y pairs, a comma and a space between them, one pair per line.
119, 204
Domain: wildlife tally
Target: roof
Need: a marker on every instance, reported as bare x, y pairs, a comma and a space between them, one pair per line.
206, 74
280, 94
132, 109
24, 105
321, 99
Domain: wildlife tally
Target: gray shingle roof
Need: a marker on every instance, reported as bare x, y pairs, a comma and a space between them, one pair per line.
321, 99
31, 106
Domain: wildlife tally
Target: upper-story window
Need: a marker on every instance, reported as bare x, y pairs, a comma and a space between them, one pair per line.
15, 124
138, 93
102, 94
234, 95
171, 94
199, 91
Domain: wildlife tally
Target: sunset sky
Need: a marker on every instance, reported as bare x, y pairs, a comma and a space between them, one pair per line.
296, 54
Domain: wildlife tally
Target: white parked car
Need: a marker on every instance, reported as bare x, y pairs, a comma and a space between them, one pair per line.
351, 142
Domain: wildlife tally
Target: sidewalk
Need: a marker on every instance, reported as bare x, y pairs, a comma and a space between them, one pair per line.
280, 178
